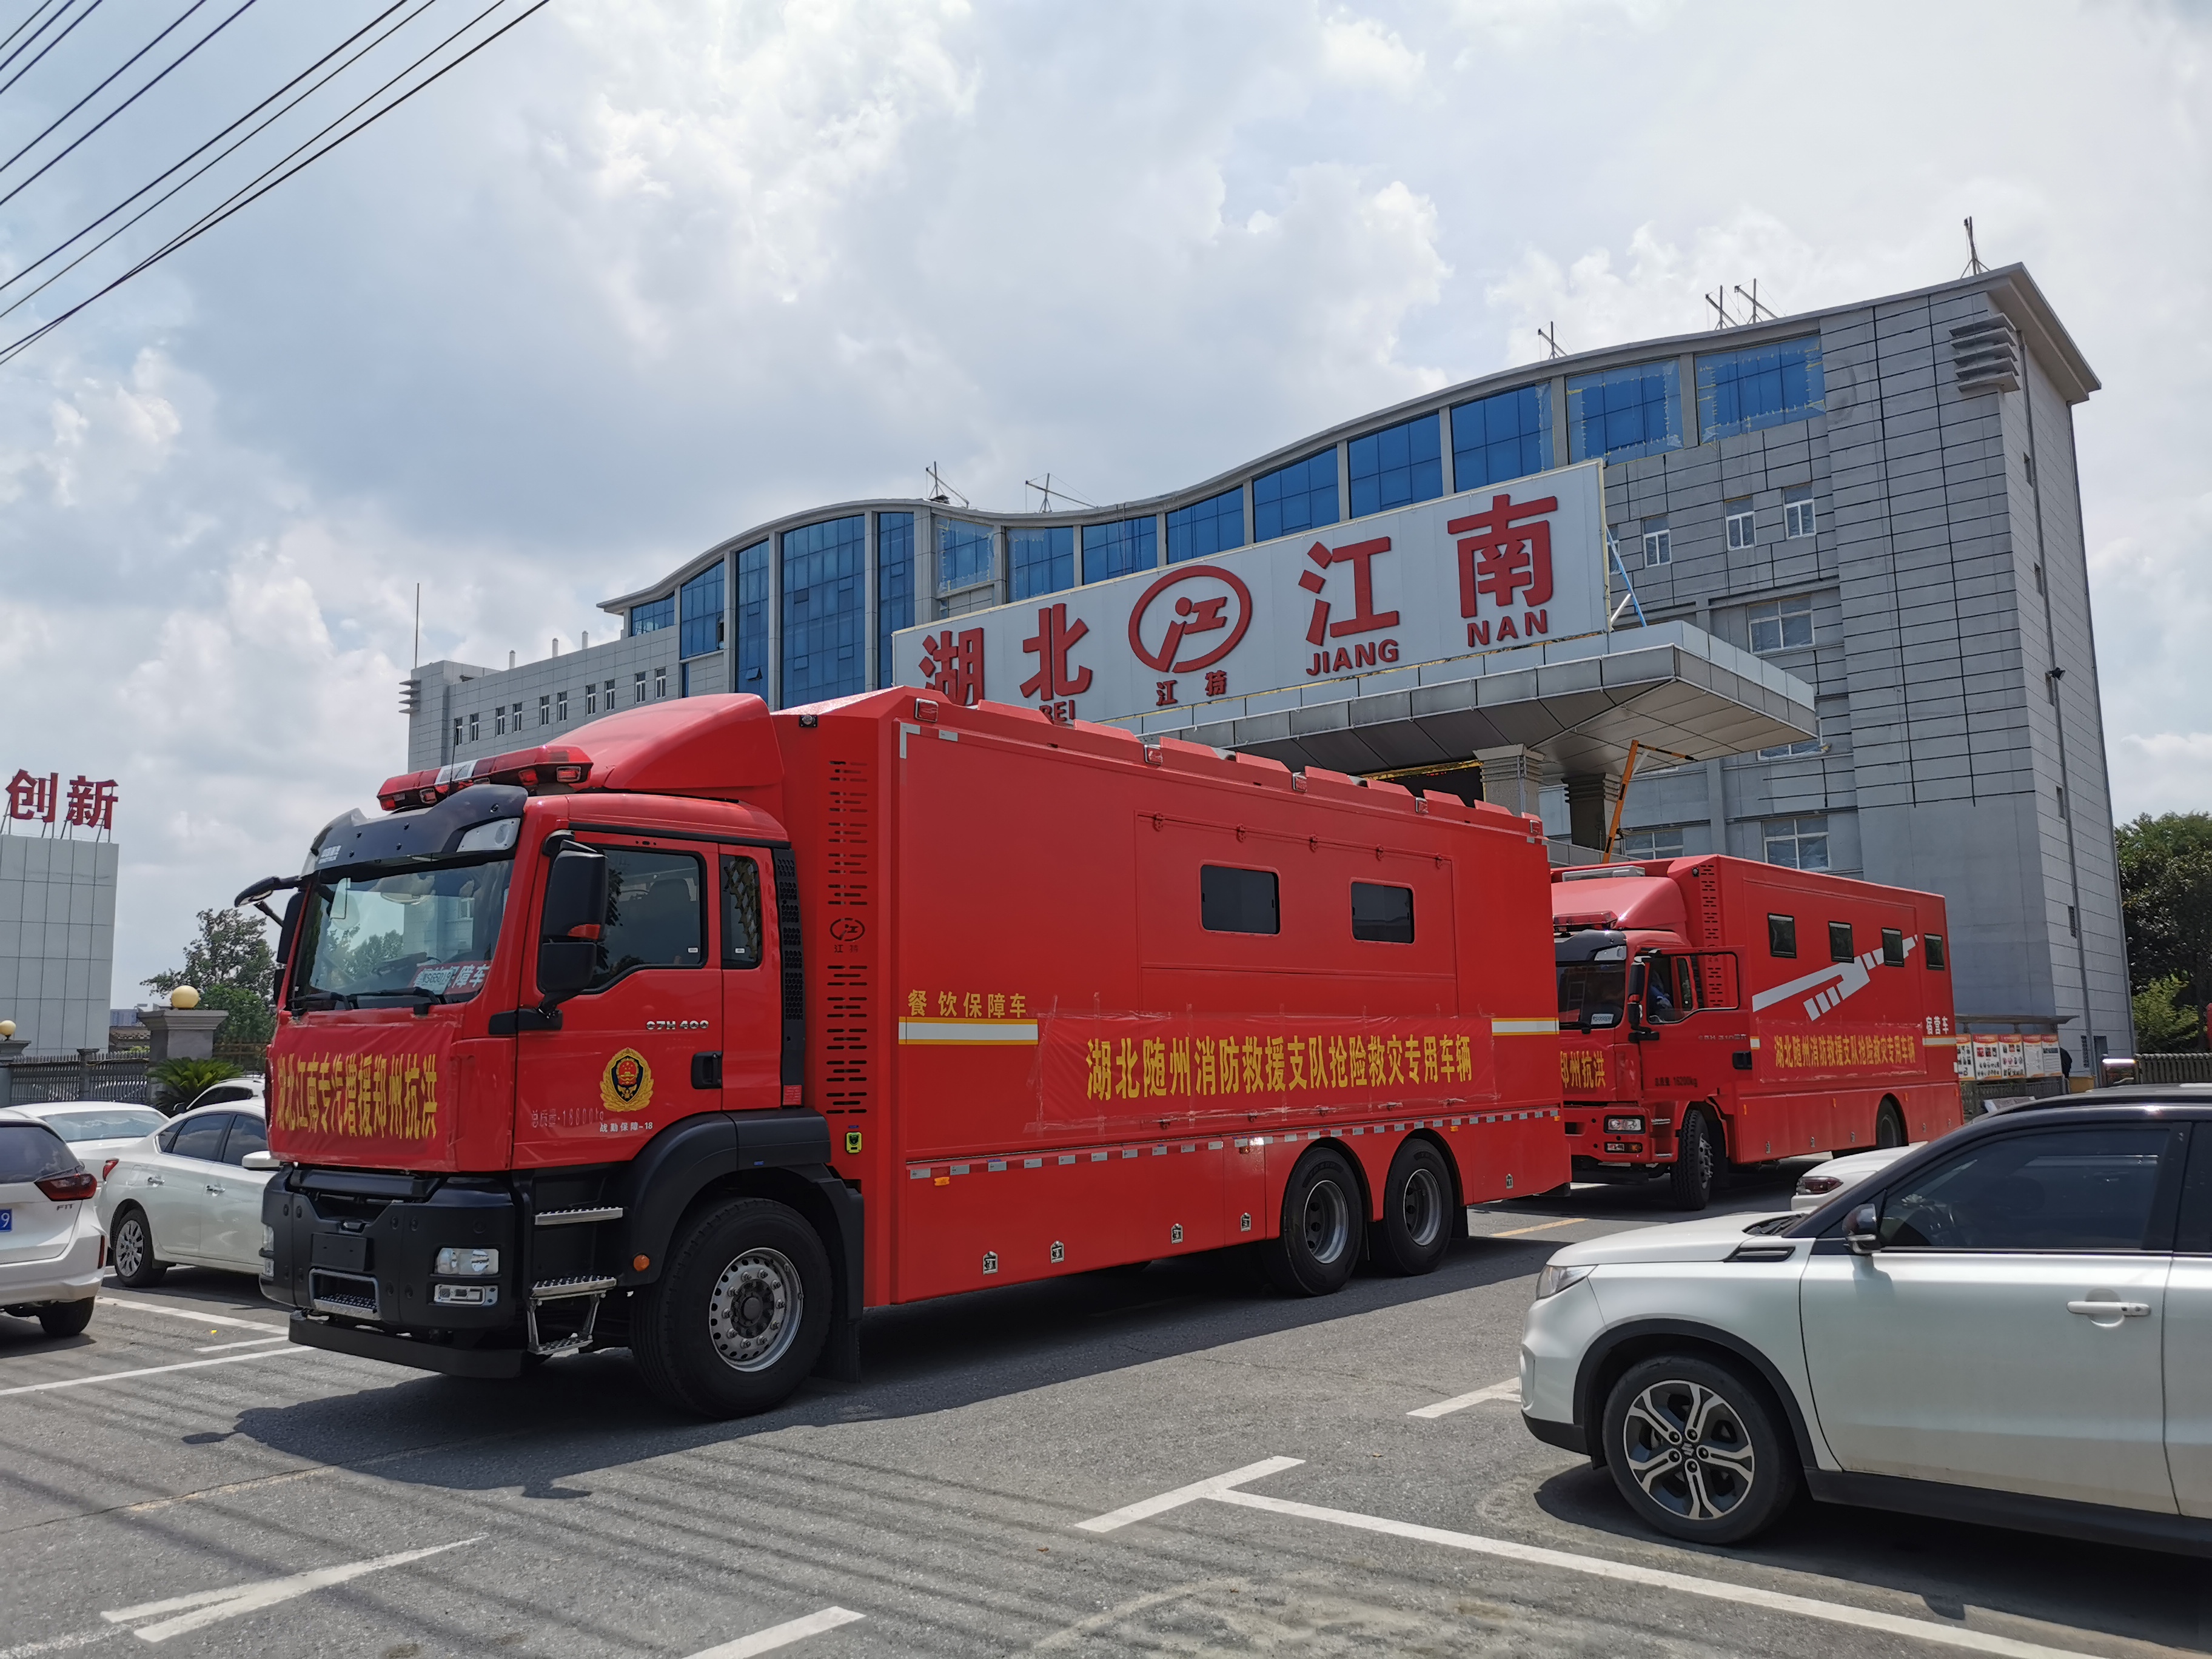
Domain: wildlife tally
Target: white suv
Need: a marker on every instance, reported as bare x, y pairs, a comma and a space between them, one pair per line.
2010, 1326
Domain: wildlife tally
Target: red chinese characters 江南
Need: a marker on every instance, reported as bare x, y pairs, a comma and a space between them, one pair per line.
1321, 629
84, 803
1505, 557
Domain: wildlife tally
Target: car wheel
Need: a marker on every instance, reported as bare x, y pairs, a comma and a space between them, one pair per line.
1417, 1214
66, 1318
1697, 1449
740, 1315
130, 1248
1888, 1125
1690, 1176
1323, 1224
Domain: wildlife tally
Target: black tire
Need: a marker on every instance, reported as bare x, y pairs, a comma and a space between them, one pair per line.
131, 1250
1698, 1450
1416, 1229
1889, 1126
1690, 1178
739, 1318
66, 1318
1324, 1227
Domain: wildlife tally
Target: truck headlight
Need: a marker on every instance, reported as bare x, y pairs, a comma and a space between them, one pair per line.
470, 1260
1552, 1280
1623, 1126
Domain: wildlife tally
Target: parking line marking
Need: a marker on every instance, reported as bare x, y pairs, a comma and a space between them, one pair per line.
1509, 1389
1145, 1508
250, 1342
198, 1315
778, 1636
203, 1608
154, 1370
1541, 1227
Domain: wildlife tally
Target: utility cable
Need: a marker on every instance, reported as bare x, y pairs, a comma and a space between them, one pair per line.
127, 102
15, 349
25, 23
43, 50
103, 86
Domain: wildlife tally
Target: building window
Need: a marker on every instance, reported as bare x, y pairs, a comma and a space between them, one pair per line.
1781, 936
1743, 525
1758, 387
963, 556
591, 696
894, 587
702, 613
1658, 543
607, 696
637, 687
1204, 528
659, 684
1382, 915
1636, 844
545, 710
561, 708
660, 613
1797, 844
1811, 745
825, 611
473, 731
1299, 496
1508, 436
1233, 901
517, 718
1781, 625
457, 731
499, 721
1839, 942
1116, 550
1040, 560
1396, 466
752, 618
1622, 413
1797, 512
682, 679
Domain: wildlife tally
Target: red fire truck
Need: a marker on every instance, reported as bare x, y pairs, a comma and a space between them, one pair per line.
1714, 1009
703, 1029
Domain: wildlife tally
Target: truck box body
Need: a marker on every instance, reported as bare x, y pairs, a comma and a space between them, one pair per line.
1794, 1007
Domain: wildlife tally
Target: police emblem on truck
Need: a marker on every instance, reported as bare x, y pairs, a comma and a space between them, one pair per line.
627, 1084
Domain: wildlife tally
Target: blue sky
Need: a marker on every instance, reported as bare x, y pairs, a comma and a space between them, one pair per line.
639, 275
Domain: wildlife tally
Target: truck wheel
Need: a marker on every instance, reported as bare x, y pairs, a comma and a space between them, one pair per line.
1698, 1450
1692, 1176
131, 1249
741, 1313
1416, 1228
1888, 1125
66, 1318
1322, 1224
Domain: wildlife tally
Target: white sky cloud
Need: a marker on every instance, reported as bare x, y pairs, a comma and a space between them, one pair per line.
637, 276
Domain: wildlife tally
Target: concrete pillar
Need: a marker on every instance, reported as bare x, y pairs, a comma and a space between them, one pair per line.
180, 1033
1590, 799
12, 1050
1510, 778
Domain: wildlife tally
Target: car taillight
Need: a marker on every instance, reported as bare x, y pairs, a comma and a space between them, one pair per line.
1819, 1183
62, 1188
108, 1167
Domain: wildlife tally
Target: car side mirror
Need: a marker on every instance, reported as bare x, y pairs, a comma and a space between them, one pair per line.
261, 1162
1862, 1232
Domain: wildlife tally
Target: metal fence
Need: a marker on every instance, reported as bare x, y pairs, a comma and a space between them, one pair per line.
32, 1080
2171, 1068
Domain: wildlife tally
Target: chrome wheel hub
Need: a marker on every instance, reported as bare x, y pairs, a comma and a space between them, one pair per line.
753, 1316
1423, 1209
1327, 1229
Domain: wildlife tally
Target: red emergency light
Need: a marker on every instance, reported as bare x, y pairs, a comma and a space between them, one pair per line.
533, 769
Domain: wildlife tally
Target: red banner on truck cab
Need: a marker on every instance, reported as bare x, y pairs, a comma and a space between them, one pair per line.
370, 1094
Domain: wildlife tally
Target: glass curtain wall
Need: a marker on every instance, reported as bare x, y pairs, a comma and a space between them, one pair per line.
1299, 496
1040, 560
1760, 387
752, 621
1622, 413
824, 609
1507, 436
894, 588
1116, 550
653, 615
701, 600
1204, 528
1397, 466
963, 556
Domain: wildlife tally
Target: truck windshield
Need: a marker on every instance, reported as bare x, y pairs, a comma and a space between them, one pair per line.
409, 935
1591, 993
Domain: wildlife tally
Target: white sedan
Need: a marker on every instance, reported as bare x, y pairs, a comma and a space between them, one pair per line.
189, 1194
1824, 1181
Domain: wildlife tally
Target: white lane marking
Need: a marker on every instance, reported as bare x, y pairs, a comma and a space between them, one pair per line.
199, 1315
1541, 1227
1509, 1389
1145, 1508
250, 1342
777, 1636
155, 1370
211, 1606
58, 1644
1222, 1489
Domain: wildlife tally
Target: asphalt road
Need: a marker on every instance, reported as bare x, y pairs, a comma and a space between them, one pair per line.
270, 1500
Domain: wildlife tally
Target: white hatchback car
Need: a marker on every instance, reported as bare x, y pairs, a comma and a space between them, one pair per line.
50, 1251
2010, 1326
190, 1193
96, 1130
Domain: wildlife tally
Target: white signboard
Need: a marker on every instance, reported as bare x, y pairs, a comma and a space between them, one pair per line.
1488, 569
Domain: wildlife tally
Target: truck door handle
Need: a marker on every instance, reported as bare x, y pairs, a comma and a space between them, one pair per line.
707, 1070
2107, 1309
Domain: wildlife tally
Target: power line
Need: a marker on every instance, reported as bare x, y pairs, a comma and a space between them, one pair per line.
43, 50
102, 87
25, 24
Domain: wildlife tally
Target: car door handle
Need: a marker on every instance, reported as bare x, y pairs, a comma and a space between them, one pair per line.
154, 1181
2106, 1309
217, 1190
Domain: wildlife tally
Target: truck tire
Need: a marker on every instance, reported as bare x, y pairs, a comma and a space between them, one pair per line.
1690, 1178
1889, 1124
1698, 1450
741, 1313
131, 1249
1322, 1226
1417, 1220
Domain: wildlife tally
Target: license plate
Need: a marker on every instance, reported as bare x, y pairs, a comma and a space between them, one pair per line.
7, 1221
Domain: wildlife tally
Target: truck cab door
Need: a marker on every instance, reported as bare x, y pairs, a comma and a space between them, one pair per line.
752, 984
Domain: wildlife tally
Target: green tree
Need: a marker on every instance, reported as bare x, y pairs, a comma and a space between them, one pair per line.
2161, 1027
2165, 899
229, 964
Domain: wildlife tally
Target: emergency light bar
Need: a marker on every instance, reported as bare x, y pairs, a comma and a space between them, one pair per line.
533, 769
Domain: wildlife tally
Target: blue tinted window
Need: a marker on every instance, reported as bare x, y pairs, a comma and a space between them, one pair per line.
661, 613
824, 609
1204, 528
1623, 413
1759, 386
1040, 560
1508, 436
1116, 550
752, 619
963, 554
1299, 496
702, 612
894, 587
1397, 465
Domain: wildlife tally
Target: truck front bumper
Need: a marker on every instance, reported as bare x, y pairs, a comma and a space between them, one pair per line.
1596, 1148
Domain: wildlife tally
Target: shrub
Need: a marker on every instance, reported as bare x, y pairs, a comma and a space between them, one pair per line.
182, 1079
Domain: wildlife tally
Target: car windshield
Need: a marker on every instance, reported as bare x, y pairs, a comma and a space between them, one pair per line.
107, 1123
1591, 993
409, 934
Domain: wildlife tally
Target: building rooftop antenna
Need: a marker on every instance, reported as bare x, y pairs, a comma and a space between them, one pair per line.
1549, 334
1974, 266
1758, 305
1721, 319
1045, 489
941, 493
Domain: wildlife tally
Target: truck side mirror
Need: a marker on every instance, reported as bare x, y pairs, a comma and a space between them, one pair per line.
286, 934
569, 930
1862, 1232
1639, 976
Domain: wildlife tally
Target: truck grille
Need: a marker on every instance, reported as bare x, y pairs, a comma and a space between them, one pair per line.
341, 1293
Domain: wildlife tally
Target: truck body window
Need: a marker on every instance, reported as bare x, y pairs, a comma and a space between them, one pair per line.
1781, 936
1934, 944
1232, 901
1892, 947
741, 912
1381, 915
1839, 942
656, 912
